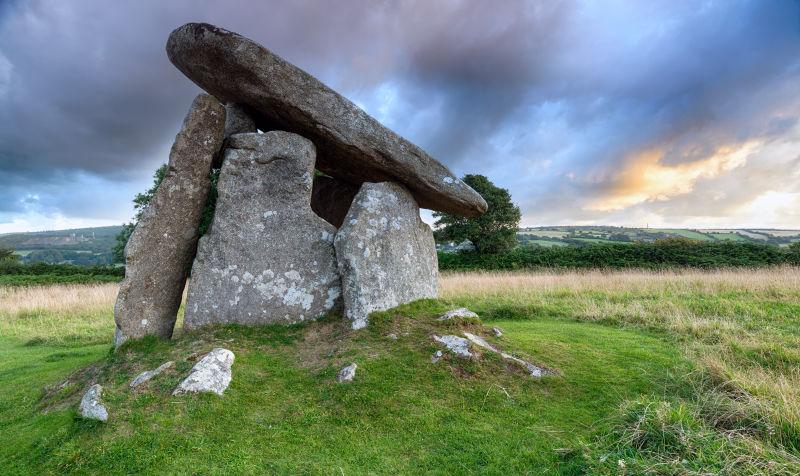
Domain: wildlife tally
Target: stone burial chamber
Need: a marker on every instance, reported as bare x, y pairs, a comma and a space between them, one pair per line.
319, 212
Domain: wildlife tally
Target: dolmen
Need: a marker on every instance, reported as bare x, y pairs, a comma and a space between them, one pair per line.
317, 209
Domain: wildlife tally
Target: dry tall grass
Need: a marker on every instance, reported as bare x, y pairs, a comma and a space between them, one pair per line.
784, 279
58, 313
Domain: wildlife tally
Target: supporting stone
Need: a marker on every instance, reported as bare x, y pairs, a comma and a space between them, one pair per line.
386, 253
352, 145
161, 248
331, 199
237, 121
268, 257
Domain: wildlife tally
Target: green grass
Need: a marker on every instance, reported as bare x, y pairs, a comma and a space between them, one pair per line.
655, 378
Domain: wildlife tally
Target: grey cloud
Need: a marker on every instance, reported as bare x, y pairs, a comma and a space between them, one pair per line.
525, 92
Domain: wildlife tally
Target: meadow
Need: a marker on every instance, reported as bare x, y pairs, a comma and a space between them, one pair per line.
658, 372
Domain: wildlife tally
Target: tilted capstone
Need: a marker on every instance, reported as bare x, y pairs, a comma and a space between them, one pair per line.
386, 254
160, 249
352, 145
267, 257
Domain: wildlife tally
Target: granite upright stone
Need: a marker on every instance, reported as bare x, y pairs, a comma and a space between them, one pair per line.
386, 253
267, 258
160, 249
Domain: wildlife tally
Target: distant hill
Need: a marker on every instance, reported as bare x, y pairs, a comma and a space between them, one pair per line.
583, 235
80, 246
92, 246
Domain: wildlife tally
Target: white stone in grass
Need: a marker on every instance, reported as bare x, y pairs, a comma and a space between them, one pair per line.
497, 332
347, 374
436, 357
212, 374
91, 407
457, 345
460, 313
149, 374
533, 370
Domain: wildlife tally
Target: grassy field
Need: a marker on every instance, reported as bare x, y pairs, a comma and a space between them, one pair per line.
659, 373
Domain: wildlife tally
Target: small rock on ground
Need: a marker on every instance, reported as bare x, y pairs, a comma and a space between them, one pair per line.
457, 345
460, 313
436, 357
212, 374
149, 374
347, 374
392, 336
497, 332
91, 406
533, 370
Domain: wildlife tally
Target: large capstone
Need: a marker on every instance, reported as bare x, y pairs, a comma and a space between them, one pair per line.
386, 253
267, 258
161, 248
352, 145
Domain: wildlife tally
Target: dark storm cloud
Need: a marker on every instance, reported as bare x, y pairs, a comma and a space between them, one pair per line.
551, 99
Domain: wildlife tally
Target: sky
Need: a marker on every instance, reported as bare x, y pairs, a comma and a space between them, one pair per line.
630, 113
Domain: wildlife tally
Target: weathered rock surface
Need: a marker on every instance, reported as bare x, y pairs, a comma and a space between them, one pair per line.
212, 374
149, 374
534, 370
91, 406
267, 258
164, 242
386, 253
347, 374
436, 357
460, 313
331, 199
457, 345
353, 146
497, 332
237, 121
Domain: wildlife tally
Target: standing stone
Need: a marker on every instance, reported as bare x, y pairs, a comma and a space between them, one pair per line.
237, 121
331, 199
267, 258
161, 248
386, 253
353, 146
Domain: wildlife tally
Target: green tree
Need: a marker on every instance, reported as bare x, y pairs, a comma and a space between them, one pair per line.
493, 232
7, 254
140, 203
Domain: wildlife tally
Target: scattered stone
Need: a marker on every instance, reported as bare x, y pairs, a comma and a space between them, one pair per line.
533, 370
392, 336
347, 374
212, 374
354, 146
457, 345
331, 199
386, 253
436, 357
497, 332
267, 258
91, 406
460, 313
149, 374
161, 248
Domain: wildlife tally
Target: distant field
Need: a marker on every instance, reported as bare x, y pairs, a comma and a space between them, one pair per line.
581, 235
